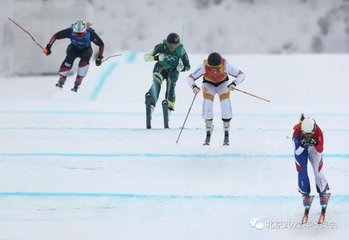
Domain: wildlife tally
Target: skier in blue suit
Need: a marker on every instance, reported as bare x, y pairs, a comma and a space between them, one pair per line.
81, 35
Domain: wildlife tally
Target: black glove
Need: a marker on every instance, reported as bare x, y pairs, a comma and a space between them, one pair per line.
99, 60
195, 89
232, 86
47, 50
308, 142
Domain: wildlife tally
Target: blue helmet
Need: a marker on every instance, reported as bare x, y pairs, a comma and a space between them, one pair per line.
80, 27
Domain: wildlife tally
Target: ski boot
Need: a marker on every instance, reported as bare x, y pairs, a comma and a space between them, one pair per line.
209, 129
149, 108
166, 112
324, 197
226, 138
307, 201
226, 127
77, 83
75, 89
61, 81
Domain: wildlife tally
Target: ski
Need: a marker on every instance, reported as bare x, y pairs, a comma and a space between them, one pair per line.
165, 112
226, 138
148, 110
207, 139
308, 203
323, 208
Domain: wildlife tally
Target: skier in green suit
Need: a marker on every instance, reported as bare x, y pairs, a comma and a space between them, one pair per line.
171, 59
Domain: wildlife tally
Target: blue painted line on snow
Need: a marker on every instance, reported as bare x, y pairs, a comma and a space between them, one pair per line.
336, 198
143, 129
131, 57
90, 129
73, 112
102, 81
161, 155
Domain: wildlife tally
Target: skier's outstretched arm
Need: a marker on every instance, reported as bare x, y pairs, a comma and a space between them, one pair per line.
185, 61
59, 35
155, 54
99, 42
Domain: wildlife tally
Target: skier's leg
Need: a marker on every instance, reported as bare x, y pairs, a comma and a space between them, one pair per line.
170, 90
207, 109
155, 88
226, 125
226, 112
66, 65
208, 93
316, 160
224, 97
302, 169
82, 71
84, 65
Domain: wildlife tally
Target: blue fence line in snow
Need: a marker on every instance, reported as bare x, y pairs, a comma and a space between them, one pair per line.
107, 72
131, 57
160, 155
336, 198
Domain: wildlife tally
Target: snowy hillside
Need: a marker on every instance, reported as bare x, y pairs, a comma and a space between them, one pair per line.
234, 26
230, 26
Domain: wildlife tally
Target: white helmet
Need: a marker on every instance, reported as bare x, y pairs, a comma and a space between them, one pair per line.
79, 26
308, 126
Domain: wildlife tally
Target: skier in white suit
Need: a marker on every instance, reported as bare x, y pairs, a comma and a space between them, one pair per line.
215, 71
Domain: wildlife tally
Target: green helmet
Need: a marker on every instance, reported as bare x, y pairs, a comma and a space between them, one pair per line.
173, 38
172, 41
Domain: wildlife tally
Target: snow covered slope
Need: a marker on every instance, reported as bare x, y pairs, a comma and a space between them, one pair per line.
83, 166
